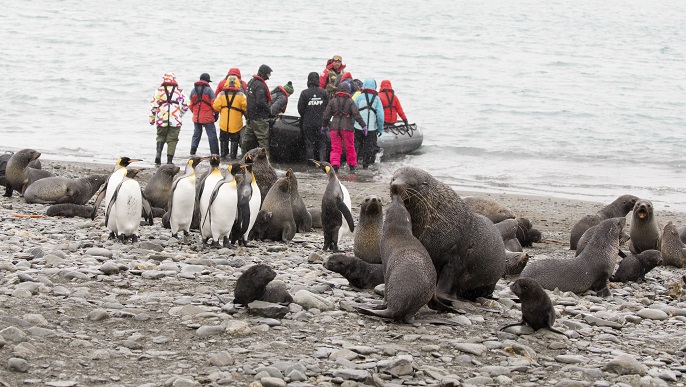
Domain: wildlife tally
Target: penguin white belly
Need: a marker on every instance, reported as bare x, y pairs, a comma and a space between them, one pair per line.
204, 203
183, 202
345, 229
223, 211
129, 205
112, 184
255, 203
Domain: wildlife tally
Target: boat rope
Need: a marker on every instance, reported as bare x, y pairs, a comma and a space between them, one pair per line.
400, 130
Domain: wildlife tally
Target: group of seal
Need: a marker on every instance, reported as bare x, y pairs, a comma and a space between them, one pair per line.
19, 174
618, 208
256, 284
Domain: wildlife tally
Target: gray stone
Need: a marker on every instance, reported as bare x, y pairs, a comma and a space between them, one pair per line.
652, 314
494, 370
13, 335
98, 315
221, 359
109, 268
350, 374
625, 365
571, 359
473, 348
309, 300
267, 309
272, 382
16, 364
98, 251
397, 366
210, 330
271, 371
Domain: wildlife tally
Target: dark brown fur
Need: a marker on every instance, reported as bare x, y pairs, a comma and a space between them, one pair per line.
302, 217
366, 241
19, 175
278, 202
158, 189
466, 248
359, 273
672, 248
491, 209
251, 285
265, 174
618, 208
634, 267
537, 309
70, 210
644, 231
57, 189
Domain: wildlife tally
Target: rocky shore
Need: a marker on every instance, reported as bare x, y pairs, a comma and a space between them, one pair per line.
79, 310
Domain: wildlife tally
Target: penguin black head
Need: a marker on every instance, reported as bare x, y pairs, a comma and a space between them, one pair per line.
234, 168
214, 161
125, 161
323, 165
195, 160
131, 173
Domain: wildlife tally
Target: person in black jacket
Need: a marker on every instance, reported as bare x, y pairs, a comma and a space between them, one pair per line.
257, 130
311, 106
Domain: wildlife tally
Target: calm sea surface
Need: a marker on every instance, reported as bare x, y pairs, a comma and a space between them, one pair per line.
574, 99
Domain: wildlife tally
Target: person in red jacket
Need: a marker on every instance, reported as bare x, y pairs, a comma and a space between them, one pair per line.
391, 104
202, 98
334, 68
235, 72
339, 115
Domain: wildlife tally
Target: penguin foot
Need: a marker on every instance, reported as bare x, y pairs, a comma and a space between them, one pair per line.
134, 238
112, 236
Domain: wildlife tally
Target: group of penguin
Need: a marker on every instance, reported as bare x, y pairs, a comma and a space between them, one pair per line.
226, 205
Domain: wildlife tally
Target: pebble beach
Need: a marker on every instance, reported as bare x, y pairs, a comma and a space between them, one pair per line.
77, 309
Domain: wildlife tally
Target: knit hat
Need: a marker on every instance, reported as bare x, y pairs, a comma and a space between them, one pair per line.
288, 87
205, 77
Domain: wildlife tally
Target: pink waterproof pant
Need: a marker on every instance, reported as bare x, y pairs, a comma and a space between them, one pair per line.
340, 138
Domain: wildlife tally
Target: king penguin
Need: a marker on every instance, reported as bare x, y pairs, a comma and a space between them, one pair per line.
123, 216
111, 183
182, 199
335, 206
249, 202
207, 184
223, 207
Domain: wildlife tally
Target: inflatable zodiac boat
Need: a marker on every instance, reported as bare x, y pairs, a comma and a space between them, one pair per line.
287, 145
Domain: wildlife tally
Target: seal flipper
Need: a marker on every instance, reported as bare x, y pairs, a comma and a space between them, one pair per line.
147, 209
436, 304
512, 325
346, 213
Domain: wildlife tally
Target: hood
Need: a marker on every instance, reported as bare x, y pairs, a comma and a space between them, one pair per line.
169, 79
263, 71
201, 83
343, 88
329, 66
312, 79
232, 83
346, 76
386, 85
369, 84
235, 71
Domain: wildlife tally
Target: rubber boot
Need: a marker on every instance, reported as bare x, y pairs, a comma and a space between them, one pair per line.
169, 159
234, 150
193, 150
351, 168
335, 168
158, 154
223, 149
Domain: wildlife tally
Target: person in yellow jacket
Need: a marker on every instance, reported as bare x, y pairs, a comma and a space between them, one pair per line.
232, 106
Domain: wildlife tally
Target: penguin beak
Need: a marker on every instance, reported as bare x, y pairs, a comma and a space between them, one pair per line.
134, 160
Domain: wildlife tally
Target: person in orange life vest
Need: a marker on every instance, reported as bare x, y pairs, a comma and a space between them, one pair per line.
167, 107
339, 115
391, 104
202, 98
280, 96
232, 106
334, 68
232, 71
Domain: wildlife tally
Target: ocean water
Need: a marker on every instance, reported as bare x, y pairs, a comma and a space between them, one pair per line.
582, 100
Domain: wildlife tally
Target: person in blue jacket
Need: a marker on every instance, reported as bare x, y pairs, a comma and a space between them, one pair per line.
371, 110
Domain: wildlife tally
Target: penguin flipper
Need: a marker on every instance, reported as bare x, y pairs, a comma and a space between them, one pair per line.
147, 209
245, 216
98, 200
346, 213
109, 206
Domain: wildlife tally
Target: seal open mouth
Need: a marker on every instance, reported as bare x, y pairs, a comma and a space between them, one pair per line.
642, 213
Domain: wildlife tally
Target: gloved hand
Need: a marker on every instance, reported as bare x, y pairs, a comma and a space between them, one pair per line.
152, 120
365, 130
405, 122
379, 133
323, 130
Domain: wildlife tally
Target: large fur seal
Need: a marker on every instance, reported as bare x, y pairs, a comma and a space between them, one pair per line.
409, 274
634, 267
644, 231
302, 217
60, 189
4, 158
359, 273
618, 208
589, 270
537, 309
252, 284
264, 173
672, 248
159, 186
19, 175
366, 240
281, 225
466, 248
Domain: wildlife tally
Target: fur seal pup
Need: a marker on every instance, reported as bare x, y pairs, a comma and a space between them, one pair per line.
508, 231
19, 175
618, 208
515, 262
70, 210
672, 248
335, 207
367, 237
359, 273
634, 267
58, 189
644, 231
537, 309
409, 273
316, 214
491, 209
112, 183
159, 186
302, 217
251, 285
123, 216
526, 233
182, 200
590, 270
281, 225
264, 173
466, 248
